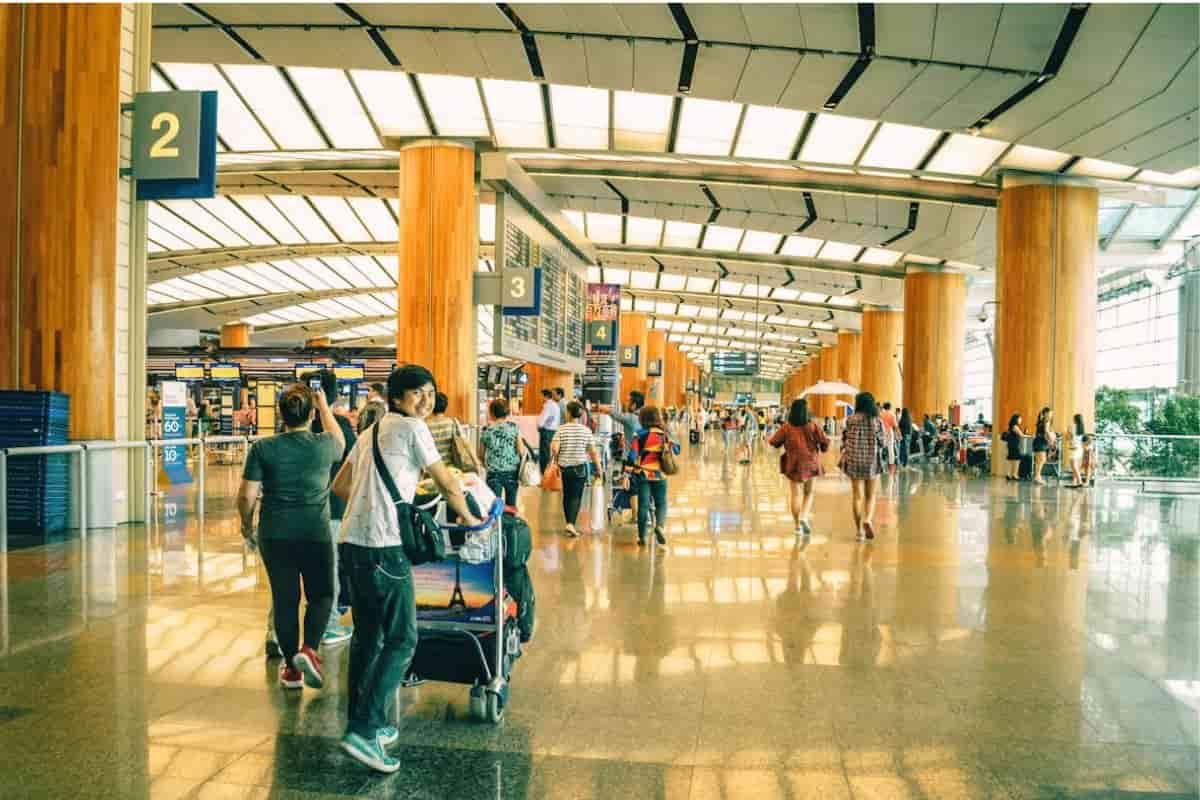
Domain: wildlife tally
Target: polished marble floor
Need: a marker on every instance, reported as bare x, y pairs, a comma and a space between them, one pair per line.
997, 640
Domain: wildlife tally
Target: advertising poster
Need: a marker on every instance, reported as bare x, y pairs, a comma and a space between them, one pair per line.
174, 422
602, 376
455, 591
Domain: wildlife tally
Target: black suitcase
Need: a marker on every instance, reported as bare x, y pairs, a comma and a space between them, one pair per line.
1025, 471
694, 436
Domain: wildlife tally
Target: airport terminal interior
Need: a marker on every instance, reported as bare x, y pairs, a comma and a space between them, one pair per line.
932, 268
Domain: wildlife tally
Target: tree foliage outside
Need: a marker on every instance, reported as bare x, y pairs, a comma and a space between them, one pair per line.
1116, 413
1173, 458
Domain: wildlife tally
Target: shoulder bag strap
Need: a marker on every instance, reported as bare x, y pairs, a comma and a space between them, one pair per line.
386, 476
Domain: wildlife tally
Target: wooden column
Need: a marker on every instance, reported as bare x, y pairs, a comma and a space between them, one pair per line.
656, 347
850, 360
830, 371
634, 328
59, 126
543, 377
318, 341
237, 334
935, 318
1046, 301
815, 406
881, 349
438, 248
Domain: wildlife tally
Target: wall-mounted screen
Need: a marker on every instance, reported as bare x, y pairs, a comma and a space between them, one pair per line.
189, 372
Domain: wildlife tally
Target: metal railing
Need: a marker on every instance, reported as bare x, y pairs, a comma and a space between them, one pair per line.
1147, 457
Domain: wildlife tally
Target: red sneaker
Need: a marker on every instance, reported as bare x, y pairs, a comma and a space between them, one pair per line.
309, 663
290, 677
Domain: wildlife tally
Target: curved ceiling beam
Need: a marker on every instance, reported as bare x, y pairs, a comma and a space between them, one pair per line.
235, 308
322, 327
751, 259
764, 305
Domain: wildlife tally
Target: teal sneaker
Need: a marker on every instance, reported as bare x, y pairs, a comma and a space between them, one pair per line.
387, 735
336, 634
369, 752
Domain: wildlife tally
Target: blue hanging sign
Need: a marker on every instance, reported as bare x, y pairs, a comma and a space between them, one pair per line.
174, 457
175, 145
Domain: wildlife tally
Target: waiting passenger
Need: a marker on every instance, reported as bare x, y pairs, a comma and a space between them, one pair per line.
291, 471
572, 447
1013, 436
500, 451
1044, 438
443, 428
803, 441
862, 442
385, 612
1075, 450
906, 433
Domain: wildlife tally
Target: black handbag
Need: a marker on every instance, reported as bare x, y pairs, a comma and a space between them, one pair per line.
419, 533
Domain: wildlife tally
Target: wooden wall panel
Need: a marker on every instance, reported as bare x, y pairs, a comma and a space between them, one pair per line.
59, 280
438, 249
881, 348
656, 347
634, 330
237, 334
1046, 303
543, 377
934, 336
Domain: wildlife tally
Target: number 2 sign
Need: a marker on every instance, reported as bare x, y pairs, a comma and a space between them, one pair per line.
175, 144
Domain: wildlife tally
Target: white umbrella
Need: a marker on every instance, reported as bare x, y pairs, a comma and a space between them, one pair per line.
829, 387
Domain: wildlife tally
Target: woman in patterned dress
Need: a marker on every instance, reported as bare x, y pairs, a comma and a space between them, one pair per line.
862, 441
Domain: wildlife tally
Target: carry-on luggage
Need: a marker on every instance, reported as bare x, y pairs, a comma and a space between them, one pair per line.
694, 436
1025, 470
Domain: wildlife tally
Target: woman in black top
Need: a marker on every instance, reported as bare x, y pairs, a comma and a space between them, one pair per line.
1012, 437
1043, 439
906, 431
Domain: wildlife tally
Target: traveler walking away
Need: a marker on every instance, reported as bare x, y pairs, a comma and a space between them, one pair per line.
802, 441
891, 428
862, 440
385, 612
1013, 436
1089, 460
728, 429
906, 432
548, 421
291, 472
1075, 450
749, 434
500, 451
572, 447
1043, 439
648, 448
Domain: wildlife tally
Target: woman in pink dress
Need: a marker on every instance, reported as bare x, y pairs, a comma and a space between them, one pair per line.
802, 441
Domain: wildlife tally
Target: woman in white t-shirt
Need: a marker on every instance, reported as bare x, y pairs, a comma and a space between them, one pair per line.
385, 612
572, 447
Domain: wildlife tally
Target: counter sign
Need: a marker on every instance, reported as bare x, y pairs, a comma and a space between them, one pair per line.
175, 144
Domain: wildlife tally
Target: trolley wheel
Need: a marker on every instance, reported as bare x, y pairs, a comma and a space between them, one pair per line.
495, 707
477, 704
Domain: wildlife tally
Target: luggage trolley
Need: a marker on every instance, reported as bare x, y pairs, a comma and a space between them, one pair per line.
460, 644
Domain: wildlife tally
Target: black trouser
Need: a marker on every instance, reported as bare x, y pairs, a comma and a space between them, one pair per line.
904, 451
544, 437
385, 633
504, 484
656, 492
287, 562
574, 482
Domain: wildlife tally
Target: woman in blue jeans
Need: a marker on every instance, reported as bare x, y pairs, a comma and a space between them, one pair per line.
648, 447
500, 451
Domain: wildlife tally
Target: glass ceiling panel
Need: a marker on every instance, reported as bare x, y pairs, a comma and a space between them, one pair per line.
576, 218
1187, 177
641, 121
879, 256
1149, 222
671, 282
333, 100
347, 271
1096, 168
487, 222
681, 234
966, 155
1034, 158
643, 280
391, 102
643, 231
227, 211
235, 124
303, 218
336, 211
769, 132
785, 294
839, 251
275, 105
580, 117
516, 111
454, 104
374, 273
168, 240
1109, 217
620, 276
160, 216
375, 215
700, 285
760, 242
899, 146
269, 217
604, 228
719, 237
707, 127
274, 279
834, 139
801, 246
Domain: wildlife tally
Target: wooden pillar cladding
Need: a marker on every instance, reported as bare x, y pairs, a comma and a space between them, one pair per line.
59, 126
850, 360
656, 348
935, 318
543, 377
679, 365
881, 349
634, 329
318, 341
670, 377
438, 249
237, 334
1046, 302
815, 406
830, 371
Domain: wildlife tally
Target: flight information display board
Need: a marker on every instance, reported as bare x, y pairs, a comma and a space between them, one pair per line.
734, 363
225, 372
556, 337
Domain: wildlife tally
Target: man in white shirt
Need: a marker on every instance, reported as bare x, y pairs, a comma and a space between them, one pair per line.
385, 612
548, 422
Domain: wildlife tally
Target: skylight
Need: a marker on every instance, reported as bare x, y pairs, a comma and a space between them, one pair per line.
681, 234
769, 132
760, 242
580, 117
375, 215
839, 251
707, 127
225, 210
1034, 158
454, 104
235, 124
604, 228
879, 257
274, 103
390, 99
801, 246
644, 231
302, 216
966, 155
337, 212
719, 237
270, 218
643, 280
516, 111
641, 121
487, 222
1095, 168
898, 146
332, 100
835, 139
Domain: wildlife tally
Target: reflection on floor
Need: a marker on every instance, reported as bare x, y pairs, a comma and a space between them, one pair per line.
998, 640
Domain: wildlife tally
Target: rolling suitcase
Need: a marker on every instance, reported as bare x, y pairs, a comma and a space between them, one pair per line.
1025, 471
694, 436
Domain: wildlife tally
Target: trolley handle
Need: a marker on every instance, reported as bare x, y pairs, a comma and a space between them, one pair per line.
493, 514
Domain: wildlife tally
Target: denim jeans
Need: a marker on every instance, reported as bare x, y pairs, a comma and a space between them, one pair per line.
574, 482
545, 436
904, 451
385, 633
504, 484
656, 492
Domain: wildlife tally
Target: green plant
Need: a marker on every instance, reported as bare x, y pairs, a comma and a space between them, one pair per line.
1116, 413
1174, 458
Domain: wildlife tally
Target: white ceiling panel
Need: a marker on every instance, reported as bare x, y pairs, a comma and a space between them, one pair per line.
1145, 148
1181, 158
931, 223
460, 54
718, 21
173, 14
776, 24
436, 15
789, 202
505, 55
1026, 34
860, 208
718, 71
418, 51
904, 30
892, 213
983, 94
275, 13
964, 33
931, 88
763, 221
341, 49
563, 60
732, 218
198, 46
610, 63
765, 76
647, 19
582, 18
830, 205
814, 80
833, 26
656, 67
878, 87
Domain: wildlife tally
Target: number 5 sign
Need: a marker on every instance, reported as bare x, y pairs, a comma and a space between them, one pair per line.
175, 144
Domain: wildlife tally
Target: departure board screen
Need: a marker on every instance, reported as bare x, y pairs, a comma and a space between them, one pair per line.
734, 363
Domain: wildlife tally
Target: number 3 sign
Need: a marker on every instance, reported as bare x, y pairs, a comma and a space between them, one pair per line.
175, 144
521, 292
